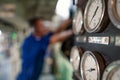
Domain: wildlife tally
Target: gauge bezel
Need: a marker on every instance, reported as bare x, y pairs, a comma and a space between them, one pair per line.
110, 69
79, 10
77, 72
100, 63
113, 15
103, 20
80, 54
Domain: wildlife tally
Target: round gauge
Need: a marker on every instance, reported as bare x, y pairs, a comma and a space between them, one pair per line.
95, 15
114, 12
112, 72
92, 66
75, 56
78, 22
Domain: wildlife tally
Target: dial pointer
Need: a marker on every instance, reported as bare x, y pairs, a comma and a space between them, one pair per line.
90, 70
94, 14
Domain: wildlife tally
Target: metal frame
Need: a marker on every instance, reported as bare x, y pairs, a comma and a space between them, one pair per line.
80, 54
114, 17
99, 63
79, 11
99, 25
110, 69
77, 72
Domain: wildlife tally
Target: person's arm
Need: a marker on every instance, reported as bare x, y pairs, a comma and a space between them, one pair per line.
60, 36
63, 26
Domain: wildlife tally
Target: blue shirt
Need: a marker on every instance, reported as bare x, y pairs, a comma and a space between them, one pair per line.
33, 52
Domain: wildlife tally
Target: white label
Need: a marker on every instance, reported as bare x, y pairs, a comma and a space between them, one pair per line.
99, 40
81, 39
117, 41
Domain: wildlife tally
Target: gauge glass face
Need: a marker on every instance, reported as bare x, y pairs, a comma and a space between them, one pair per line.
90, 68
114, 74
75, 58
118, 7
78, 22
94, 13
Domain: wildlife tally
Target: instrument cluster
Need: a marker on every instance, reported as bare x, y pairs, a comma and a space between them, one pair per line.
92, 65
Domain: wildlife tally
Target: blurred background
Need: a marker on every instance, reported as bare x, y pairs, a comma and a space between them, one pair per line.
14, 27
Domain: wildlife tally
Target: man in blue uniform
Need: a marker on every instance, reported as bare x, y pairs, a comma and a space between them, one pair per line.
35, 46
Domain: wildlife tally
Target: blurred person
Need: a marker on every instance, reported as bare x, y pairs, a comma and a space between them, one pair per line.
69, 42
34, 47
62, 68
66, 48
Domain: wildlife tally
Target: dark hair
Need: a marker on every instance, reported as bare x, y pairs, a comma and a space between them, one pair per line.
33, 20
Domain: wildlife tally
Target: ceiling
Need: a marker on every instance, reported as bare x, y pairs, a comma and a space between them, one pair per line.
26, 9
31, 8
